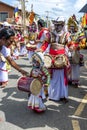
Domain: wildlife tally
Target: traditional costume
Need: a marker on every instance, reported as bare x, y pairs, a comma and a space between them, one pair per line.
15, 52
23, 50
31, 45
59, 84
43, 35
38, 71
74, 51
3, 70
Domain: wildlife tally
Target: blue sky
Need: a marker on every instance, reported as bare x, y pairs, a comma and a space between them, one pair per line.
55, 8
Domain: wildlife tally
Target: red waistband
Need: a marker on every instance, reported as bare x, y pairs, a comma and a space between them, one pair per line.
56, 52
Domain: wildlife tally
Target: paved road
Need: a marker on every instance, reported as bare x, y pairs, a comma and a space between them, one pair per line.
14, 114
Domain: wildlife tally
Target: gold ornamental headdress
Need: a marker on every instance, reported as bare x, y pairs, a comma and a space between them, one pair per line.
72, 23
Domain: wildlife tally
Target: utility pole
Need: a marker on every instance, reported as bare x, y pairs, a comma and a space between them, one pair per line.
47, 17
23, 14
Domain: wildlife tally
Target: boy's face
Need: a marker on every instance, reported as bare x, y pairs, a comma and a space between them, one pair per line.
36, 63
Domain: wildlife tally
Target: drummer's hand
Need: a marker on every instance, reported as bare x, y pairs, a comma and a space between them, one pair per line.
23, 72
37, 41
38, 50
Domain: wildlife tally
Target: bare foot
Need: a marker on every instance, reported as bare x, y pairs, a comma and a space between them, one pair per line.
4, 85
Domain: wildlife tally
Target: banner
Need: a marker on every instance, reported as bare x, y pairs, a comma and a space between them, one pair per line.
16, 14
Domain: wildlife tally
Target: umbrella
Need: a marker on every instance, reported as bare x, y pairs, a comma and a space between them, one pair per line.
84, 9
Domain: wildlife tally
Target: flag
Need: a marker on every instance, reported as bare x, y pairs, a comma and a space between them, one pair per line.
84, 20
31, 17
16, 12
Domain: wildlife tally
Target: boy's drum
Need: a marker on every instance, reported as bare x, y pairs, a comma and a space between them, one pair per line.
47, 60
29, 84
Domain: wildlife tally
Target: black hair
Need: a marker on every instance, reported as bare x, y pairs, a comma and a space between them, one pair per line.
6, 33
41, 22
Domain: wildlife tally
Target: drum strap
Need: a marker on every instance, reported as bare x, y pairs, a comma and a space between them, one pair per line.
3, 70
47, 74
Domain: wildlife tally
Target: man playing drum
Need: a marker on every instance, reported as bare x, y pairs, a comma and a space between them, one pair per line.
58, 88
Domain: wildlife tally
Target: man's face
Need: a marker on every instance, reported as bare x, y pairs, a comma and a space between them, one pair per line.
58, 28
72, 29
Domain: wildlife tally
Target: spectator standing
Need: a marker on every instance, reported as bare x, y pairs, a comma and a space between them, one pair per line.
6, 39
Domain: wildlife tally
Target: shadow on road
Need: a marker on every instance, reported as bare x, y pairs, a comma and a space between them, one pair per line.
57, 116
14, 105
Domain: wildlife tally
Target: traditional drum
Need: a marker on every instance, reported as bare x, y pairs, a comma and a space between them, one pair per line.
29, 84
35, 86
60, 61
31, 47
32, 36
47, 60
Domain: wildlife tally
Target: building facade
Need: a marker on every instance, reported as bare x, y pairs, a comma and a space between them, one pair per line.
6, 11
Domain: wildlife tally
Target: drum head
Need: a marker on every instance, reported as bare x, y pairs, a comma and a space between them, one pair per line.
60, 61
47, 61
35, 87
32, 36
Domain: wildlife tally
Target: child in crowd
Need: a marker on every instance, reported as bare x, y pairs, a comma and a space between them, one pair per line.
38, 71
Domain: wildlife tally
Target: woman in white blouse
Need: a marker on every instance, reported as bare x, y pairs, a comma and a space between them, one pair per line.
6, 39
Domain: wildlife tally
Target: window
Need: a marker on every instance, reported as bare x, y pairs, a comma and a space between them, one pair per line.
3, 16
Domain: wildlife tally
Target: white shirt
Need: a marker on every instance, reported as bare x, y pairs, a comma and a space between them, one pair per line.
5, 52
